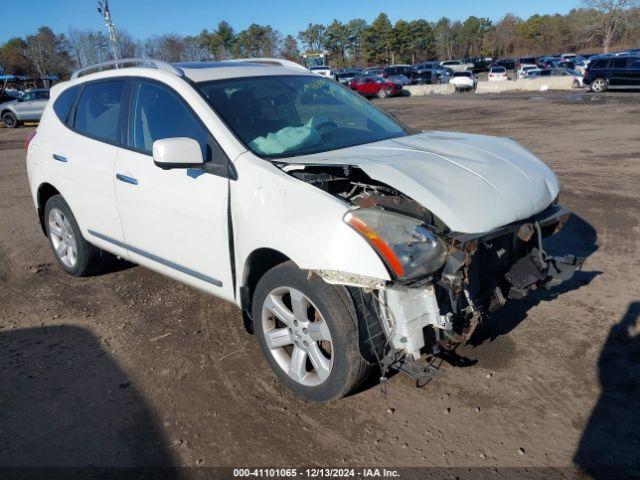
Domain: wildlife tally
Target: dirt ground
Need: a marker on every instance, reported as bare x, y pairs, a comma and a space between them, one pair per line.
131, 369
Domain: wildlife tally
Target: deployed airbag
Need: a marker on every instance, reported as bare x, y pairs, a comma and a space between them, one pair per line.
289, 138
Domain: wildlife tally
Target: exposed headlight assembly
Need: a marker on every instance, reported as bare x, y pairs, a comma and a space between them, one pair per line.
409, 250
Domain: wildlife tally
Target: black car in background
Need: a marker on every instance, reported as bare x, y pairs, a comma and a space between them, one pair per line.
613, 72
480, 64
507, 63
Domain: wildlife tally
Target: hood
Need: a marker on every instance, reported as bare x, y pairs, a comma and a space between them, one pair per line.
473, 183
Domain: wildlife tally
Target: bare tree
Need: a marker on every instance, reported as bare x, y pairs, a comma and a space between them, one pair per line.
612, 16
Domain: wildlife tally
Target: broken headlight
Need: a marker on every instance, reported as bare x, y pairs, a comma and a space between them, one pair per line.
408, 248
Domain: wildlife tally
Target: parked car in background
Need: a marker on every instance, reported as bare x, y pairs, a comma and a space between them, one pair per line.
580, 64
525, 61
464, 81
480, 64
457, 65
375, 87
507, 63
374, 71
613, 72
558, 72
568, 56
323, 71
398, 73
26, 108
423, 75
497, 74
428, 73
524, 68
545, 62
346, 76
529, 74
560, 63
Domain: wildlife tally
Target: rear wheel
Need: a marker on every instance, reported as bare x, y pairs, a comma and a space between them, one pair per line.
599, 85
9, 119
382, 93
307, 334
73, 253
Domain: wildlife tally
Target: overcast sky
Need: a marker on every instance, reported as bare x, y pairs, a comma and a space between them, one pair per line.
143, 18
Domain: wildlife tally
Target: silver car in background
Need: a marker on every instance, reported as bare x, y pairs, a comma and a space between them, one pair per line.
27, 108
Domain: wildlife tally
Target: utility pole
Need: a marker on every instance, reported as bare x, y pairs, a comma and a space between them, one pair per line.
103, 10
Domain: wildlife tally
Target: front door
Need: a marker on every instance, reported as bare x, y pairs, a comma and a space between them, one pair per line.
174, 221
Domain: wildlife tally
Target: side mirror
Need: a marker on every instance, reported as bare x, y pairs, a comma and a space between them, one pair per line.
179, 152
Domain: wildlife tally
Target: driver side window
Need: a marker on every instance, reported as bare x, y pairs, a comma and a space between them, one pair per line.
156, 113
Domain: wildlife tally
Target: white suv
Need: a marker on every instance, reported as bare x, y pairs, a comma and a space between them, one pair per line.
349, 240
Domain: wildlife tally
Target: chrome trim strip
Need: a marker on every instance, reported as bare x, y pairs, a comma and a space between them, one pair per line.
155, 258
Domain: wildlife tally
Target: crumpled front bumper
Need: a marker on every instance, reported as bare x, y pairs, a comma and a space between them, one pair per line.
482, 272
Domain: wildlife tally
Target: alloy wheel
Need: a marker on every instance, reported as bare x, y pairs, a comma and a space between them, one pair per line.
9, 120
599, 85
297, 336
63, 238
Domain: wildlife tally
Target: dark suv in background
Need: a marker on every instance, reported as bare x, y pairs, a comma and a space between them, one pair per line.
613, 72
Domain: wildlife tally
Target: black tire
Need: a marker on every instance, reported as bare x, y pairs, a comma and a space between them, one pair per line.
9, 119
90, 259
349, 369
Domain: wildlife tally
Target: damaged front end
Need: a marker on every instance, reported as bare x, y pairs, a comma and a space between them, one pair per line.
444, 283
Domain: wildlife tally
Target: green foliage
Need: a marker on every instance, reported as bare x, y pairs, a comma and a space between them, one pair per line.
602, 23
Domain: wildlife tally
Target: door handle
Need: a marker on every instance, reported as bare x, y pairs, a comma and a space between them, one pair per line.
126, 179
59, 158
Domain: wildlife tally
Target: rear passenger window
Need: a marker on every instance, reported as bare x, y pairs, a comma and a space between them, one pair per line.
635, 65
63, 104
619, 63
156, 113
98, 110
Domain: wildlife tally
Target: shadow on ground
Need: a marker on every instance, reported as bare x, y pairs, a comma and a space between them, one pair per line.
610, 444
64, 402
577, 237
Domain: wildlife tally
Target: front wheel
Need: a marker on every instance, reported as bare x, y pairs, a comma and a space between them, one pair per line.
599, 85
382, 93
307, 334
9, 119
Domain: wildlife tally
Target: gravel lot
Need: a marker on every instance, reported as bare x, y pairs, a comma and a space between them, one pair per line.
132, 369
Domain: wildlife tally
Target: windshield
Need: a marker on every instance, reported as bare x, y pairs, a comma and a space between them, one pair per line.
284, 116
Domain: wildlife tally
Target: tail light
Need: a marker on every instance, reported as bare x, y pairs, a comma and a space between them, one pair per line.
28, 138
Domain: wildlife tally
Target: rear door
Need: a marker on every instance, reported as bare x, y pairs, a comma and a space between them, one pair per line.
85, 159
174, 221
618, 72
634, 73
25, 106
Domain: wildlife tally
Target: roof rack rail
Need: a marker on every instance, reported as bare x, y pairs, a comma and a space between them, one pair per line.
143, 62
271, 61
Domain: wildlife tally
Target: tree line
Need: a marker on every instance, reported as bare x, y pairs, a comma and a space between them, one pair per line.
599, 25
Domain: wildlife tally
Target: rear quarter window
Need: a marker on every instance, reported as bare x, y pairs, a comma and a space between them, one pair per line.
64, 103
